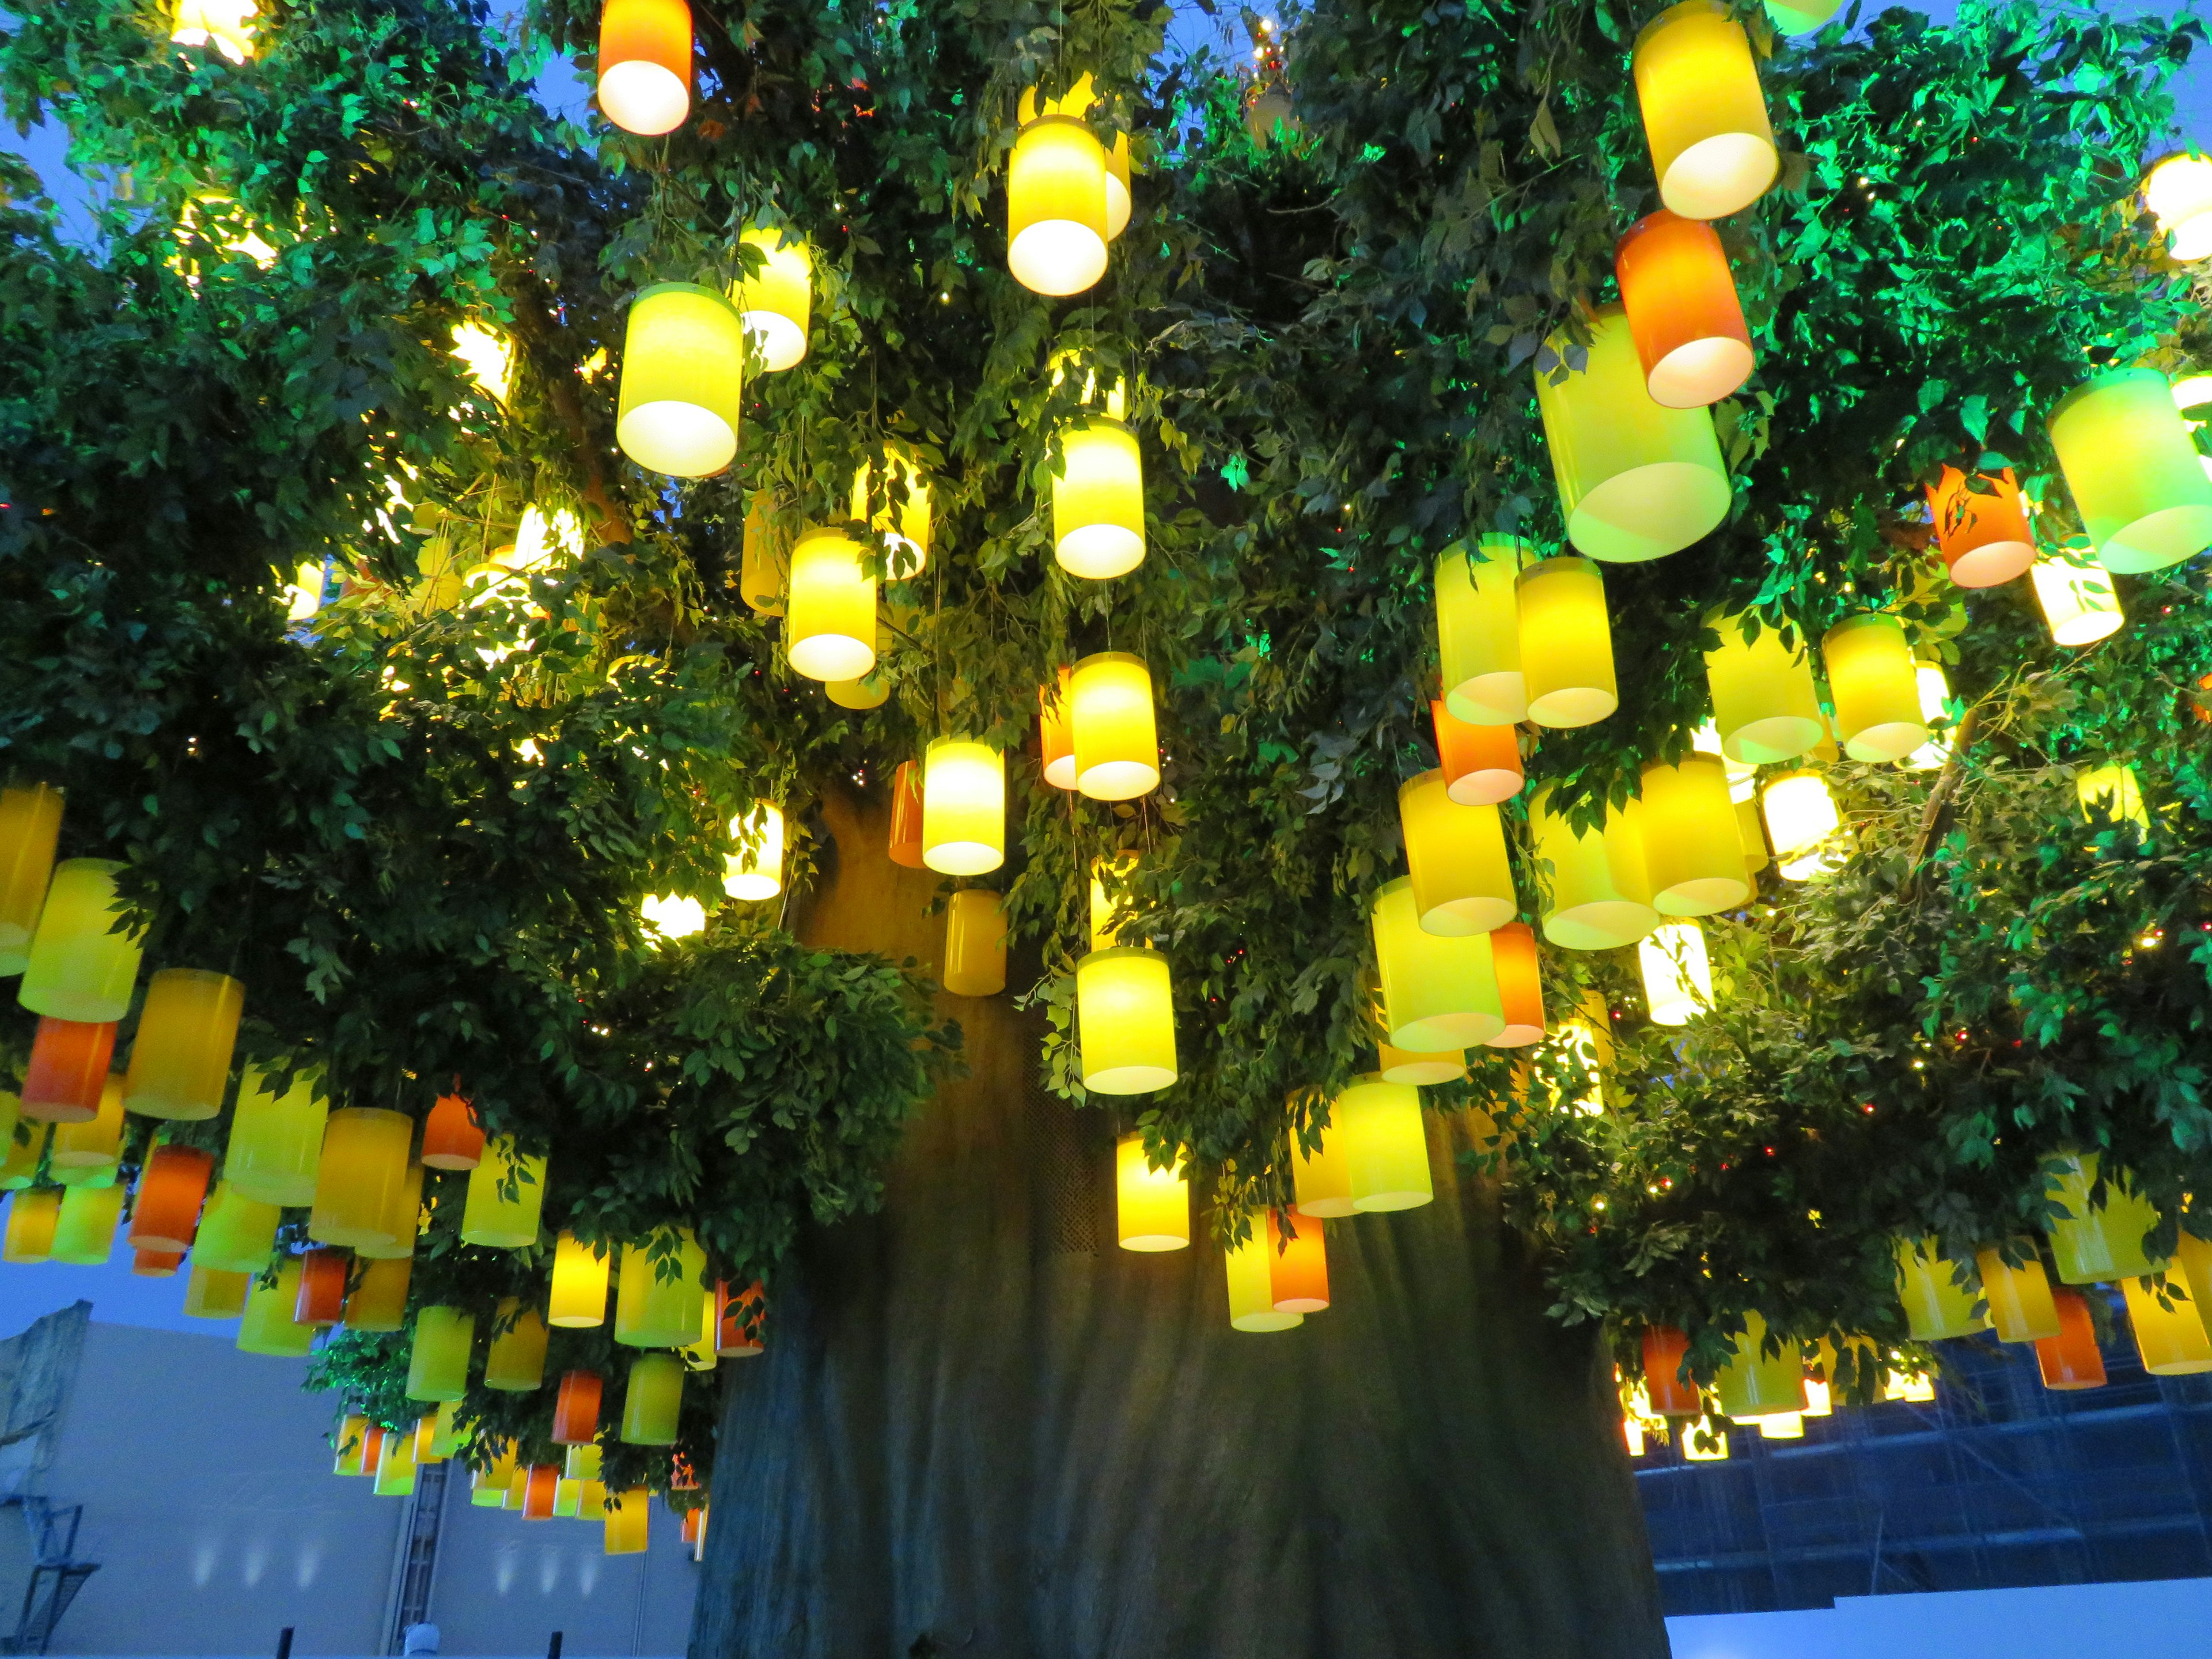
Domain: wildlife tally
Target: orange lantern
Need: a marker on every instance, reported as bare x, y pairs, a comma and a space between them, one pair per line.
576, 1408
1056, 732
166, 1214
1671, 1394
1520, 985
67, 1070
1297, 1267
739, 1320
322, 1288
1983, 537
645, 64
1481, 763
156, 1264
1682, 311
906, 816
2070, 1359
541, 1488
452, 1138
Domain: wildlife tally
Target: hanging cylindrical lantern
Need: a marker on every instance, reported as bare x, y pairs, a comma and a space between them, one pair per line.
1110, 720
92, 1143
1876, 693
1125, 1020
1704, 116
1297, 1266
276, 1140
19, 1155
1152, 1207
975, 944
378, 1301
489, 1216
2170, 1335
2133, 469
906, 816
438, 1359
1439, 991
576, 1408
350, 1441
33, 1215
516, 1361
755, 872
683, 380
2071, 1359
1637, 480
211, 1293
1109, 907
237, 1233
1322, 1177
1765, 707
2178, 190
2111, 792
904, 521
541, 1488
68, 1070
79, 968
660, 1290
1600, 895
428, 1448
452, 1136
2095, 1244
1693, 858
84, 1231
2020, 1308
1403, 1066
628, 1521
1098, 500
403, 1220
1385, 1144
1055, 735
1669, 1392
963, 807
180, 1060
1514, 963
156, 1264
1981, 526
645, 64
1683, 313
267, 1326
777, 303
2078, 601
578, 1299
1481, 764
322, 1287
1056, 224
829, 624
166, 1214
1566, 643
1678, 979
30, 824
1936, 1305
1803, 823
1455, 858
764, 558
364, 1163
1755, 1384
653, 1400
740, 1321
1479, 630
1252, 1286
489, 1481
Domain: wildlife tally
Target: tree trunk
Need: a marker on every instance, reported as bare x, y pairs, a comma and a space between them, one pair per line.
981, 1428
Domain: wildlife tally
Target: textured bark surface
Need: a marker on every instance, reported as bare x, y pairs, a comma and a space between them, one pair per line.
981, 1429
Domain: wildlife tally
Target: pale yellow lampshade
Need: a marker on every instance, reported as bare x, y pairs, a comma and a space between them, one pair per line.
1125, 1020
2133, 471
1322, 1177
2171, 1338
187, 1029
1056, 212
1479, 630
1386, 1144
1098, 500
2019, 1301
1704, 116
754, 870
683, 380
1117, 747
1456, 856
2113, 791
506, 1193
362, 1167
578, 1296
1678, 976
267, 1326
1597, 892
1937, 1305
30, 826
776, 306
1252, 1285
1566, 643
2078, 601
2098, 1244
1755, 1383
226, 24
2178, 190
1109, 901
1802, 824
963, 807
974, 944
1439, 991
659, 1290
80, 967
1693, 857
1765, 706
1877, 691
830, 606
1152, 1207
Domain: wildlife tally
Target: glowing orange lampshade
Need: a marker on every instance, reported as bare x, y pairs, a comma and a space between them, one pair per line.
1297, 1267
539, 1489
68, 1069
1520, 986
1056, 732
1682, 310
1669, 1392
645, 64
740, 1319
452, 1138
576, 1408
1481, 763
1983, 537
906, 816
166, 1214
2070, 1359
322, 1294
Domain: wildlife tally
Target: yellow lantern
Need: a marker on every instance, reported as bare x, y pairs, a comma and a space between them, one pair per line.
904, 521
683, 380
403, 1220
1457, 857
79, 968
1704, 116
1678, 979
1152, 1207
963, 807
1117, 746
1755, 1384
1099, 499
267, 1326
1765, 706
2170, 1333
2019, 1302
226, 24
1403, 1066
2114, 792
661, 1283
1935, 707
1877, 694
1705, 1439
653, 1400
488, 1482
974, 944
1056, 224
395, 1467
1252, 1285
2078, 602
755, 870
2134, 470
237, 1233
490, 1217
438, 1359
671, 915
1566, 643
1637, 480
2178, 190
1479, 630
1323, 1176
210, 1293
352, 1442
1125, 1020
1386, 1144
516, 1362
33, 1215
645, 64
1936, 1305
763, 561
777, 305
30, 824
1803, 824
180, 1062
1439, 991
1078, 102
20, 1149
829, 621
1802, 19
276, 1140
578, 1299
704, 1355
1599, 893
1109, 904
362, 1171
84, 1231
378, 1301
2094, 1245
1782, 1425
1693, 852
92, 1143
628, 1521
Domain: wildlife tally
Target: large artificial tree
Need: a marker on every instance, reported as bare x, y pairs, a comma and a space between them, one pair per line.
419, 822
